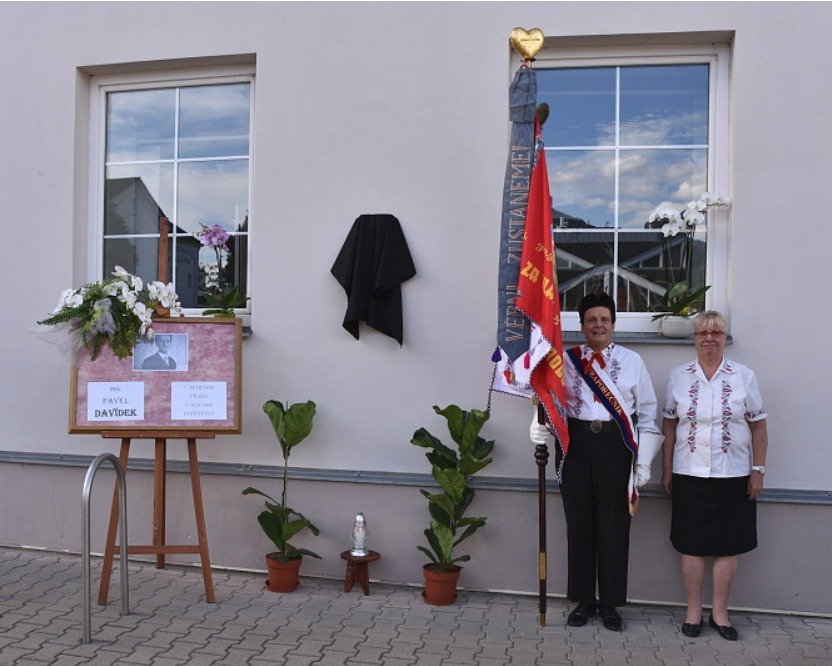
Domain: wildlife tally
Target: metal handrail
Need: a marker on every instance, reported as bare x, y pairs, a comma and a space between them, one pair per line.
122, 528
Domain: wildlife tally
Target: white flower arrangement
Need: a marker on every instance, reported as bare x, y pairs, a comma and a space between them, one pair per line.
673, 221
116, 311
678, 299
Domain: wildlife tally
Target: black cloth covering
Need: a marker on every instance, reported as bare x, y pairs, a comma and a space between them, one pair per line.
371, 266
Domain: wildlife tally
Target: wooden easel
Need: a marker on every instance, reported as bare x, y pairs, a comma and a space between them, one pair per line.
159, 547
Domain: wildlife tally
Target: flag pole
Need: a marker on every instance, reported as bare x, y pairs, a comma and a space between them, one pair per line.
528, 43
541, 457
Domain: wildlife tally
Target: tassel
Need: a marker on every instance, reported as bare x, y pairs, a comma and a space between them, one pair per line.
496, 356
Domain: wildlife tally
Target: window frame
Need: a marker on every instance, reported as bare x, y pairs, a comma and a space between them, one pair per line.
717, 56
100, 86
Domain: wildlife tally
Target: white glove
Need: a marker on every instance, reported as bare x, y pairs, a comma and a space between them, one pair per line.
537, 431
649, 444
642, 475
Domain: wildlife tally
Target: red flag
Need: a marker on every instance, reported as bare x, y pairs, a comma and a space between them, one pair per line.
539, 299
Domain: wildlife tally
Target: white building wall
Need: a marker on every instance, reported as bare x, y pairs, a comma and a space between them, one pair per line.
402, 108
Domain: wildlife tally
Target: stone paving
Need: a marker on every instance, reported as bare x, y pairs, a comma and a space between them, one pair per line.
41, 622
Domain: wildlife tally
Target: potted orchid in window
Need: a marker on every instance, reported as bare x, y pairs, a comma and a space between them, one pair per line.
680, 300
221, 302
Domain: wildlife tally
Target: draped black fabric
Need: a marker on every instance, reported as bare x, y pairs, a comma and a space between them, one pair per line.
371, 266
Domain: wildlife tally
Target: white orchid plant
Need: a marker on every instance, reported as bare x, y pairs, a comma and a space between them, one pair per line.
117, 311
679, 299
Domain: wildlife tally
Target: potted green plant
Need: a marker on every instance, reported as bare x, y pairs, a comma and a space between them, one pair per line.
223, 304
676, 309
449, 525
279, 521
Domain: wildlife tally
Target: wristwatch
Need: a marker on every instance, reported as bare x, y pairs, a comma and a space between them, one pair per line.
758, 468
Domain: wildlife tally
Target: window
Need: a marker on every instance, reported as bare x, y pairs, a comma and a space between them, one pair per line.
170, 158
626, 132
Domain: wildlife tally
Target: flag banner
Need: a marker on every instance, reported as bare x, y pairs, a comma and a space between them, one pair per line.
513, 328
539, 300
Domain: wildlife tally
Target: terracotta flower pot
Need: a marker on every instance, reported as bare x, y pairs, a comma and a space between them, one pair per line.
440, 586
283, 576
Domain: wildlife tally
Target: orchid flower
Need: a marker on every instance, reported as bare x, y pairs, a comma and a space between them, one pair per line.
119, 309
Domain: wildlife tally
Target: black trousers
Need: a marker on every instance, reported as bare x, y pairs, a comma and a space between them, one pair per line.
594, 492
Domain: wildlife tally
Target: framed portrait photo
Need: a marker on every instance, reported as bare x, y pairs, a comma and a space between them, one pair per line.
188, 377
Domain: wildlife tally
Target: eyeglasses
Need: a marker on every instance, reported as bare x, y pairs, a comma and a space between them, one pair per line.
714, 334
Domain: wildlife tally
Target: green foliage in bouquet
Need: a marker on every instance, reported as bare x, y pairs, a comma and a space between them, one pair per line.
115, 312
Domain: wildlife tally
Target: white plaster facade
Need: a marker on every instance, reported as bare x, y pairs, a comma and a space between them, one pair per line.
402, 108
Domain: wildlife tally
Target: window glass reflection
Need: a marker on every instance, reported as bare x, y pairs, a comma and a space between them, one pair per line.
581, 105
214, 121
584, 264
140, 125
582, 185
214, 192
136, 197
664, 105
649, 177
204, 179
139, 256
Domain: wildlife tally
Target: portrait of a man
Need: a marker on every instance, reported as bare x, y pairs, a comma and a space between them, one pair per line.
167, 351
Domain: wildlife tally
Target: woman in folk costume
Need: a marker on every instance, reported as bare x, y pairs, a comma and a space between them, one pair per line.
611, 405
714, 461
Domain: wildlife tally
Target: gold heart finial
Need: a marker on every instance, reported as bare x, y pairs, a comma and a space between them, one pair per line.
527, 42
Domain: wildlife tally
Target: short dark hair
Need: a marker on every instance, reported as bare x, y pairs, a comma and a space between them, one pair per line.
596, 300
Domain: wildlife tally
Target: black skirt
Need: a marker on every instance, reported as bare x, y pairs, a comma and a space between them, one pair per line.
712, 517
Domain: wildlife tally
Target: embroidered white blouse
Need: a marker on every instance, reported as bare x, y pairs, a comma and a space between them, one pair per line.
628, 372
713, 438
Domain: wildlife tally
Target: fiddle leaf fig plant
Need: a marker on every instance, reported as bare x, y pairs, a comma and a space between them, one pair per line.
292, 424
451, 469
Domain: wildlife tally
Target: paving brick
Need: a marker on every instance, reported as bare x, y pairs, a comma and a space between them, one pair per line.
430, 659
332, 658
217, 646
170, 623
67, 660
274, 653
237, 657
143, 655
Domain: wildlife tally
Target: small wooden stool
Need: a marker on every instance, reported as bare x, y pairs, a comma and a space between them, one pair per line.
358, 569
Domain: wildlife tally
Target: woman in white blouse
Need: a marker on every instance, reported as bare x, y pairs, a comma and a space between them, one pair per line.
714, 461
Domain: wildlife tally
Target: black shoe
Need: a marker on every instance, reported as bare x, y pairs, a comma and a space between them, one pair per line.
728, 633
581, 614
610, 617
693, 630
